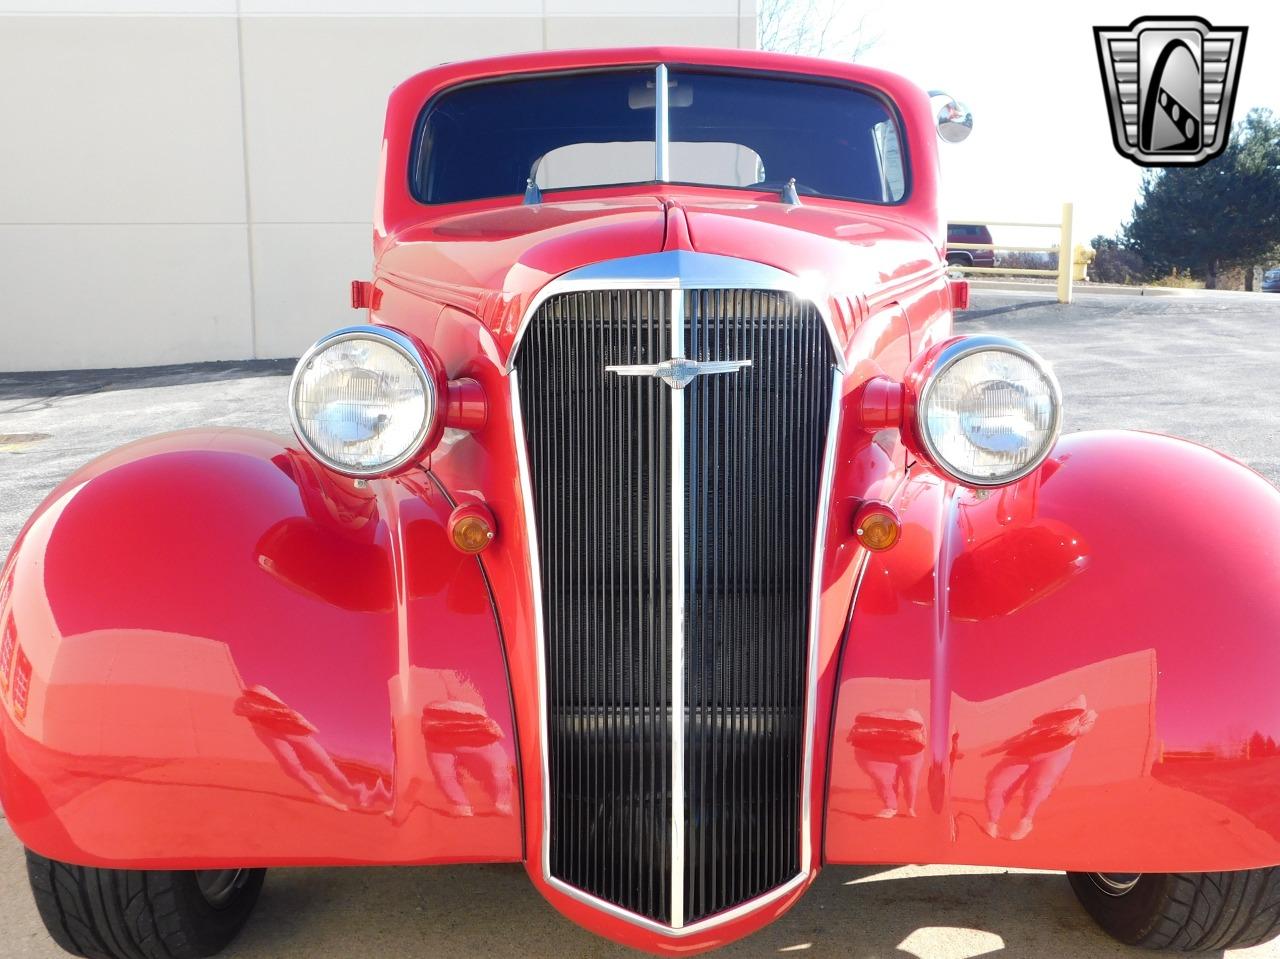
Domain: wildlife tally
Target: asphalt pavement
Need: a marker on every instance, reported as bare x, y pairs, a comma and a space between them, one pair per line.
450, 912
1203, 366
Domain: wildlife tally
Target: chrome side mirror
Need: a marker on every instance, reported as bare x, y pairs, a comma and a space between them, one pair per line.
954, 119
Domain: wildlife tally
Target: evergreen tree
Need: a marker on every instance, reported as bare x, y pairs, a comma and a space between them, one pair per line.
1225, 213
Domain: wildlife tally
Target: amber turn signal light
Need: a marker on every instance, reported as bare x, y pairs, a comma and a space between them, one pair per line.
471, 527
876, 525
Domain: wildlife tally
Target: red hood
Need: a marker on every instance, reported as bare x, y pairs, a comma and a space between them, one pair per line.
850, 251
480, 258
492, 262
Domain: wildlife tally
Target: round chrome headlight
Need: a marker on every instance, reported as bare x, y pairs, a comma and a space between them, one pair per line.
989, 411
363, 400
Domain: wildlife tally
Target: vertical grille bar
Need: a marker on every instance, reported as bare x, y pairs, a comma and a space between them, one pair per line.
675, 532
678, 605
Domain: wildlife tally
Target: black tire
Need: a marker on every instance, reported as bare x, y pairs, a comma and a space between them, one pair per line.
960, 259
141, 914
1185, 911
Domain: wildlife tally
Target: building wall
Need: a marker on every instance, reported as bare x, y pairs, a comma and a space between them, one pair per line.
186, 180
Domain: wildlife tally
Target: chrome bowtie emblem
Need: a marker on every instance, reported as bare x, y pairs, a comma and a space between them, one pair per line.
1171, 85
679, 372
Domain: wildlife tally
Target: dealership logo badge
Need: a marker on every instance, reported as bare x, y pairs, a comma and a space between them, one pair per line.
1170, 84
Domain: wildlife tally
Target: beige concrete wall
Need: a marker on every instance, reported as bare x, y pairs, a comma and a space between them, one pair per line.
186, 180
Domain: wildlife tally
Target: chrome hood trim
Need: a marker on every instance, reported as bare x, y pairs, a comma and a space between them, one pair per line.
683, 270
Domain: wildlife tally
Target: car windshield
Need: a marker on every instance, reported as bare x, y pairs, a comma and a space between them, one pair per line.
736, 130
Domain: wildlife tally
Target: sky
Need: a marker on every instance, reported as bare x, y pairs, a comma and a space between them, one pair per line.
1029, 72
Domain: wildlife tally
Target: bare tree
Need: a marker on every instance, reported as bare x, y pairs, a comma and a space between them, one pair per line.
813, 28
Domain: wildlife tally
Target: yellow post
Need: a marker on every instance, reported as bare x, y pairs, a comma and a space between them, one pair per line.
1065, 256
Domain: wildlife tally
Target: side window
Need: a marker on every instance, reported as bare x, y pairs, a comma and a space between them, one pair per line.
893, 177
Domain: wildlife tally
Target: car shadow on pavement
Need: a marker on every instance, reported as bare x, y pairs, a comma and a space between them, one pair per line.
851, 913
1038, 306
58, 383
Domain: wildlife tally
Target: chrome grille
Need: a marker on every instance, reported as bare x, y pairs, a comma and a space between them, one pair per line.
721, 588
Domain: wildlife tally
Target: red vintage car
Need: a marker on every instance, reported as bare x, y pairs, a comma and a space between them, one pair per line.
652, 529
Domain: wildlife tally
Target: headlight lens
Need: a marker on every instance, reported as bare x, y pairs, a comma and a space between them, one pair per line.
990, 413
363, 401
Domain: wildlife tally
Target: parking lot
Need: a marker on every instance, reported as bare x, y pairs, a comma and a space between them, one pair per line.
1205, 366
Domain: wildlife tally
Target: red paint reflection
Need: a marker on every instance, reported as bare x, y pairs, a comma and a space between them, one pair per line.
468, 770
1032, 764
8, 650
291, 739
317, 560
461, 737
889, 747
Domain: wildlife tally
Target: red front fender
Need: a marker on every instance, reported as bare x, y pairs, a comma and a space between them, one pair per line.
216, 654
1076, 672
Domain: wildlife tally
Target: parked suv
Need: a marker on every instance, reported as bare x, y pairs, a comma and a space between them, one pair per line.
969, 233
1271, 281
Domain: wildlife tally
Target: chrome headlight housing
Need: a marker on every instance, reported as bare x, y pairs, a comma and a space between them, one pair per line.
365, 400
988, 410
